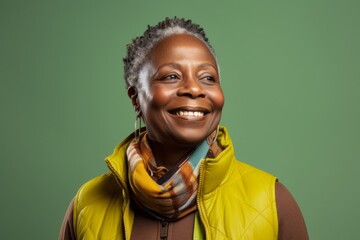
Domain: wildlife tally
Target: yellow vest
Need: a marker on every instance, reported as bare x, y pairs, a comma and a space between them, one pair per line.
235, 200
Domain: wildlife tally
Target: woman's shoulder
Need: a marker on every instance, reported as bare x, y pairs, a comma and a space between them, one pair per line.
98, 187
250, 172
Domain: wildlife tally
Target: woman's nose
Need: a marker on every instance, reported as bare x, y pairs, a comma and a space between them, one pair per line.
191, 87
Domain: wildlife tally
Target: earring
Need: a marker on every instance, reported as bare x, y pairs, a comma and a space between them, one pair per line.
215, 138
137, 129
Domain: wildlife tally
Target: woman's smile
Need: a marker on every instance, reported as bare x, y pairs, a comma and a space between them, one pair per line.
190, 112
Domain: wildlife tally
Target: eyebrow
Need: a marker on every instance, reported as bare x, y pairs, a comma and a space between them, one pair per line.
207, 65
177, 65
173, 64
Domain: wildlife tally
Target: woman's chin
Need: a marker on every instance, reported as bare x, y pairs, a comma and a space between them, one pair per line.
190, 138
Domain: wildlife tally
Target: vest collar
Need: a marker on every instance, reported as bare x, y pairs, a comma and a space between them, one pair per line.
213, 171
117, 162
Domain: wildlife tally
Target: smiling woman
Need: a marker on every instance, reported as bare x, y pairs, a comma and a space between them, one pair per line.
179, 95
178, 178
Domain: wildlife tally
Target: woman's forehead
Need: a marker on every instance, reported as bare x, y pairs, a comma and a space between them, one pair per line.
181, 46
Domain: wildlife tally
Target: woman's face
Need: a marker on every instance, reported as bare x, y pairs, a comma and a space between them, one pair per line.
179, 92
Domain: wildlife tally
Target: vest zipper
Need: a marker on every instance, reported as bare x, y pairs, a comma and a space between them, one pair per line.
200, 207
126, 201
164, 230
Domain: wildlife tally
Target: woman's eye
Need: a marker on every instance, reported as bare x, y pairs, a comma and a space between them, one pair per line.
209, 78
170, 77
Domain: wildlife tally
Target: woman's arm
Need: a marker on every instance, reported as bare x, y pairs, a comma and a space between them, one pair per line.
291, 222
67, 229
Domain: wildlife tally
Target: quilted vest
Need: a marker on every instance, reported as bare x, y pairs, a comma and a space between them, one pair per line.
235, 200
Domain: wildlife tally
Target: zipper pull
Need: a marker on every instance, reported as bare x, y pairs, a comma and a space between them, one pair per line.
164, 230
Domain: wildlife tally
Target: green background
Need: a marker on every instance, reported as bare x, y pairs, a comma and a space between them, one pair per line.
290, 73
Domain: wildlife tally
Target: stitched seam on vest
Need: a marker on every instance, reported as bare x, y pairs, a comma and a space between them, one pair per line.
260, 215
89, 230
81, 217
223, 234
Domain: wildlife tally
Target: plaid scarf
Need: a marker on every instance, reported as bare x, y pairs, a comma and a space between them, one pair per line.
164, 194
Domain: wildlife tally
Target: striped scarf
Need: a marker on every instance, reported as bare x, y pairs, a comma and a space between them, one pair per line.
164, 194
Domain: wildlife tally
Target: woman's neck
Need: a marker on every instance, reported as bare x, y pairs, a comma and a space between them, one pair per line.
167, 155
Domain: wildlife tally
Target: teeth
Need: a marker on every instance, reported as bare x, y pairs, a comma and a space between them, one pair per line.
190, 113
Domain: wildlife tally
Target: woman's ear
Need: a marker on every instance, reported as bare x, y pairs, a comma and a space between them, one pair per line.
133, 95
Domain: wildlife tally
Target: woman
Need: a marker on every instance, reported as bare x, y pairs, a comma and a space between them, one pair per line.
178, 177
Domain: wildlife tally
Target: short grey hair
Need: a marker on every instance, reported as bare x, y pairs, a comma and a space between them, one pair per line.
140, 47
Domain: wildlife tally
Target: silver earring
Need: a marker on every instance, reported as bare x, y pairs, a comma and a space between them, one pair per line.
215, 138
137, 129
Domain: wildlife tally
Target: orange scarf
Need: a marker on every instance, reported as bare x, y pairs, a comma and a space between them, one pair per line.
164, 194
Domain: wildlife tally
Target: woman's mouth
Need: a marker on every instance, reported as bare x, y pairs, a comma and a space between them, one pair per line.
190, 113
